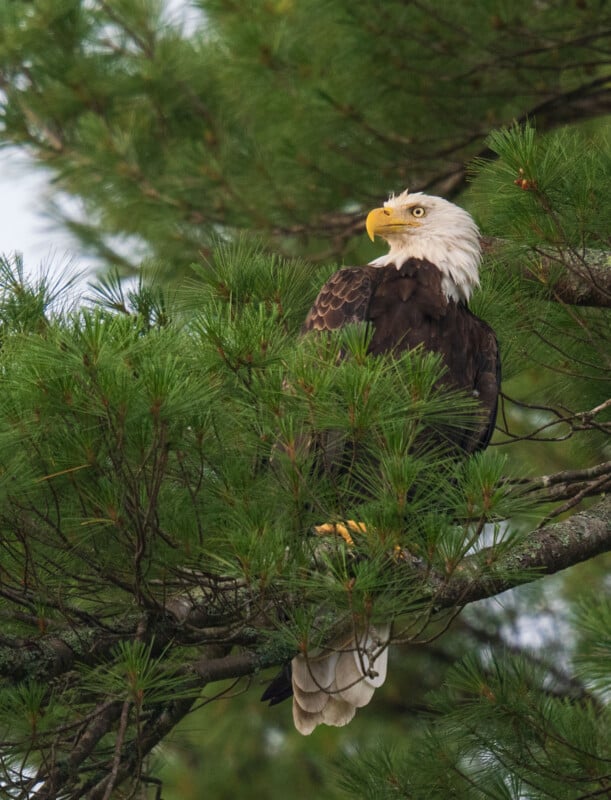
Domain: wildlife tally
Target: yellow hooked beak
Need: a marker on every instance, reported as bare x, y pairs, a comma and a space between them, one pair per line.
385, 220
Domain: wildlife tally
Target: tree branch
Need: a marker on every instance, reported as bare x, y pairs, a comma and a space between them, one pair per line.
100, 724
165, 718
564, 477
584, 281
543, 552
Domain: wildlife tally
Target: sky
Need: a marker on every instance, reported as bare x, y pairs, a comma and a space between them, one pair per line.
23, 226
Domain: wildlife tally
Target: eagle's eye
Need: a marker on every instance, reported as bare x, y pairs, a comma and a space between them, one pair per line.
418, 211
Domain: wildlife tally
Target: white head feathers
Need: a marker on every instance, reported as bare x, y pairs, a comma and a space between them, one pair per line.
422, 226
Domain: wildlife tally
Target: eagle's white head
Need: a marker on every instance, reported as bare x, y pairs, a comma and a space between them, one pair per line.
420, 226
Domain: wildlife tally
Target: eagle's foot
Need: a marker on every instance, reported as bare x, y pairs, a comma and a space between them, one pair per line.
343, 529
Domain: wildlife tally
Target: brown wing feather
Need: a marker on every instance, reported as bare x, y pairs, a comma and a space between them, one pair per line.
344, 299
487, 379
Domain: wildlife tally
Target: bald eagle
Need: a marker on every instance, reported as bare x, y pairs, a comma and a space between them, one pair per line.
416, 294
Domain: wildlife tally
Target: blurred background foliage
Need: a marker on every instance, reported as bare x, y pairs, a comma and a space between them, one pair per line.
288, 118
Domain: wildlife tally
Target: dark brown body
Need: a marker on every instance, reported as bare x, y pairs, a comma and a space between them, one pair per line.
408, 308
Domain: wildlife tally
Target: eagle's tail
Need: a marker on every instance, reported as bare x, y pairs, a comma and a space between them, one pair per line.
329, 685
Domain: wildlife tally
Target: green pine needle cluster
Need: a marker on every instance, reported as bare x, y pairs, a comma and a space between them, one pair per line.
499, 729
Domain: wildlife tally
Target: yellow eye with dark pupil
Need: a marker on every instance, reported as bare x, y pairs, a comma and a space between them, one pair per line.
418, 211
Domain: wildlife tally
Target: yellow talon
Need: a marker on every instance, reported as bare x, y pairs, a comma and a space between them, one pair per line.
357, 527
341, 529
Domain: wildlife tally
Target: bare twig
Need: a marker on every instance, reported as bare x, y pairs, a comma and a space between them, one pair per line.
572, 421
116, 762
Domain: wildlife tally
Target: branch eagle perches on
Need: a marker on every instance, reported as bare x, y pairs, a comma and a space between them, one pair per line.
545, 551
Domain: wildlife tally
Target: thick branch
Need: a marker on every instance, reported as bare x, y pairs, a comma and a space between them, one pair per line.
544, 552
163, 721
585, 284
102, 721
55, 654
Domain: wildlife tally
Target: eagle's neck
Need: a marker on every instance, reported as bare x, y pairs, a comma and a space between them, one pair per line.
456, 258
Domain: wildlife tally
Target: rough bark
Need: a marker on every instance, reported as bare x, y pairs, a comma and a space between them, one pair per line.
543, 552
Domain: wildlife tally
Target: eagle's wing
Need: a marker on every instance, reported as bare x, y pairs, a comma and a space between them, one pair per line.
344, 299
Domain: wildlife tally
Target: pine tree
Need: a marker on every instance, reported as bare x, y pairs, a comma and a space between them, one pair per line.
156, 514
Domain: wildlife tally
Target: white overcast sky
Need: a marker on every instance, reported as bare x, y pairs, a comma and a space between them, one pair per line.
23, 226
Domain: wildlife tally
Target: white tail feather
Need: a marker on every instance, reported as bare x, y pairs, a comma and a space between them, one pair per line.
314, 673
330, 685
